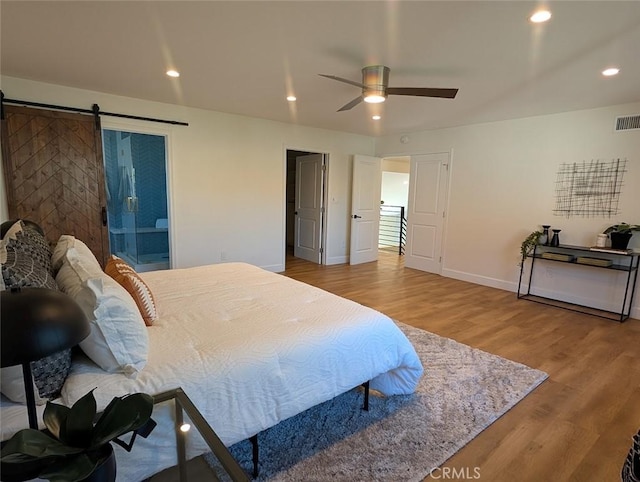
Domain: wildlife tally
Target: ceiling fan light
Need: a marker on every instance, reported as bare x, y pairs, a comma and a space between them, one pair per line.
375, 78
540, 16
374, 98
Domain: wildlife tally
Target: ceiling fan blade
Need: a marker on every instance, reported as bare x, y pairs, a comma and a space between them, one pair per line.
340, 79
351, 104
423, 92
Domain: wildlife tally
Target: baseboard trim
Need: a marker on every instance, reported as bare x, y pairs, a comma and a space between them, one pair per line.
337, 260
276, 268
480, 280
513, 287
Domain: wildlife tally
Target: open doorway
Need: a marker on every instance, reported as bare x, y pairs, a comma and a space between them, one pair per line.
305, 205
393, 204
135, 167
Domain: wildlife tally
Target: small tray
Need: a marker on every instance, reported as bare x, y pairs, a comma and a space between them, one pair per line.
557, 256
605, 263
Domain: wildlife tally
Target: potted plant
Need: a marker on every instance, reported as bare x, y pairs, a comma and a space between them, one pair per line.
73, 447
620, 234
528, 244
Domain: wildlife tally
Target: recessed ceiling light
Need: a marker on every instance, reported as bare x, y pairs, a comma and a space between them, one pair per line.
540, 16
610, 71
376, 117
291, 98
173, 73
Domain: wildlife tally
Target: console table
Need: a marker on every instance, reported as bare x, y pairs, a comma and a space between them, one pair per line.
620, 261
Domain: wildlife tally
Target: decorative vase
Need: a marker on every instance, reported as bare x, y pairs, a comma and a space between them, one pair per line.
106, 471
543, 240
620, 240
555, 239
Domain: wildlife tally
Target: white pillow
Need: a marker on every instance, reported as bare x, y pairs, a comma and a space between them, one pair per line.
83, 253
118, 340
12, 383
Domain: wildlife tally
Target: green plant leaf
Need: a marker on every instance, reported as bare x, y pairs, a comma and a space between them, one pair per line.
77, 453
54, 417
29, 443
529, 242
622, 228
70, 469
121, 416
79, 423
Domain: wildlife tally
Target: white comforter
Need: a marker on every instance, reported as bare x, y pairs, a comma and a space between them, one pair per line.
250, 348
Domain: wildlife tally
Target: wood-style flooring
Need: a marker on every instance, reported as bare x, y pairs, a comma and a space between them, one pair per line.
576, 426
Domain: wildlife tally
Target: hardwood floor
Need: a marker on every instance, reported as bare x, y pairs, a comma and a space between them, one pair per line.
577, 426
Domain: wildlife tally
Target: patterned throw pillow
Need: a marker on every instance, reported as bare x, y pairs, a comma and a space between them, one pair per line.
131, 281
49, 373
26, 258
26, 262
631, 467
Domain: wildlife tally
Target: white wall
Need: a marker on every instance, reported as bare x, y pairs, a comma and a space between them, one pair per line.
226, 176
396, 164
502, 188
395, 181
395, 188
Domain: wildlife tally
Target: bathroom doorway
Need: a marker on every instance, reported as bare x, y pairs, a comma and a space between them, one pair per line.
136, 192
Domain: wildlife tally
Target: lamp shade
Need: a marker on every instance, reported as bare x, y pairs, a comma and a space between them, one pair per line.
37, 322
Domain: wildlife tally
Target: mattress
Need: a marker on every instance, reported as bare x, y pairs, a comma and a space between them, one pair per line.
250, 348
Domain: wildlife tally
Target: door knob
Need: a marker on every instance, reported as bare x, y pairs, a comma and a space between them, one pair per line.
355, 216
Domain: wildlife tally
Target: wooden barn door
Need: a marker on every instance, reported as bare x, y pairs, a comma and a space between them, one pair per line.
54, 174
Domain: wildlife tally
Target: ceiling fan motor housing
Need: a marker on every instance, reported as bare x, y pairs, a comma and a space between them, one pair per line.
375, 79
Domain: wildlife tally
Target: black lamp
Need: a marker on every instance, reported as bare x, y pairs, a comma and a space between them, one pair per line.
38, 322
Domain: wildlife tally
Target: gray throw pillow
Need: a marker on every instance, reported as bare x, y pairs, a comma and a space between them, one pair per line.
26, 263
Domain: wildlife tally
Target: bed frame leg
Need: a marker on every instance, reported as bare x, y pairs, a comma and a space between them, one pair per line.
254, 445
254, 439
365, 406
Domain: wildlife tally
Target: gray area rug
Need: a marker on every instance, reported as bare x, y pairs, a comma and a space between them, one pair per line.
400, 438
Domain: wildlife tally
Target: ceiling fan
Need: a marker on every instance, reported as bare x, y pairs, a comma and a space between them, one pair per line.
375, 87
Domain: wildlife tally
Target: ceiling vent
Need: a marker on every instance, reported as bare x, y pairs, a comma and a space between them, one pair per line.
627, 122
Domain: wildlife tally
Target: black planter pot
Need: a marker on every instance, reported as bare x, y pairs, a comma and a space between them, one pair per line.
106, 471
620, 240
20, 472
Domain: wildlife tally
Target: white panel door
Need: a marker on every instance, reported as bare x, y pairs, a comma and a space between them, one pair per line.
425, 217
365, 209
308, 210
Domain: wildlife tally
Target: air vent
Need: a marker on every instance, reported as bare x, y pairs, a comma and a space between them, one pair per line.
627, 122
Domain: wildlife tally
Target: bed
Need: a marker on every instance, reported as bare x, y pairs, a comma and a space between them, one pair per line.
250, 348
